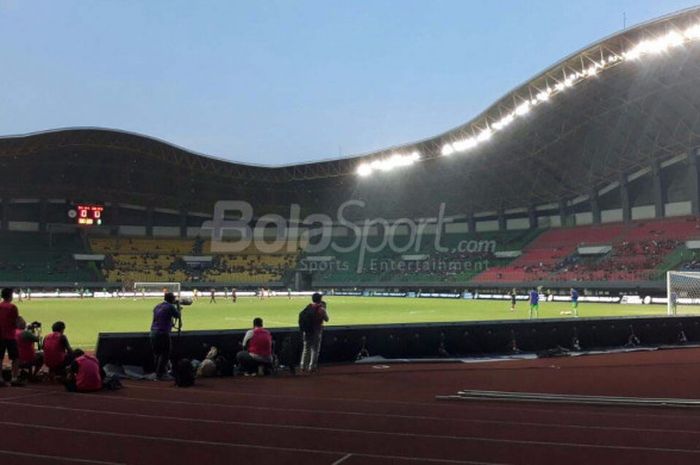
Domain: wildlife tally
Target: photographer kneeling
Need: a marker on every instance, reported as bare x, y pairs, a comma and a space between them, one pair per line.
84, 374
28, 340
57, 350
258, 356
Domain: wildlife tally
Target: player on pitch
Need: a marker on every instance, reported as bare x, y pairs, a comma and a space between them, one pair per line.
574, 301
534, 303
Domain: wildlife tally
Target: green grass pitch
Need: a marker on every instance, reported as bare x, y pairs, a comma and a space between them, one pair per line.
85, 318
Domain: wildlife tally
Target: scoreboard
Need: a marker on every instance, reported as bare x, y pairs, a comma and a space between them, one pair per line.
86, 214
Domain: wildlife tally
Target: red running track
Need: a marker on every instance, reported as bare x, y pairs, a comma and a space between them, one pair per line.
356, 415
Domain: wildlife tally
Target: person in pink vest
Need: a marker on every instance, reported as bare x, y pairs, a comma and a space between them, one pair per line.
85, 373
8, 323
27, 341
57, 350
257, 354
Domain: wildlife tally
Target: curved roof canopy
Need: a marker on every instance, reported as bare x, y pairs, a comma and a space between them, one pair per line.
609, 109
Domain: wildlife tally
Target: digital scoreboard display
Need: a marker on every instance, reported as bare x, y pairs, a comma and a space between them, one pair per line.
86, 215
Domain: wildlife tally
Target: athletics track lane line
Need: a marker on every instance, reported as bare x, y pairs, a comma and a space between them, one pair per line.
232, 445
341, 459
550, 409
53, 457
472, 408
461, 439
633, 417
387, 416
106, 397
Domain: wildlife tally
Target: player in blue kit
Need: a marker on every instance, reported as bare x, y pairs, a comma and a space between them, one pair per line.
534, 303
574, 301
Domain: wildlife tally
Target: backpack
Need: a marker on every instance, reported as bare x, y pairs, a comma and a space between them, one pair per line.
112, 383
184, 373
308, 319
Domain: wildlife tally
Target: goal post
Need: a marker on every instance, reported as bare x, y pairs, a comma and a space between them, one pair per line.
155, 289
682, 292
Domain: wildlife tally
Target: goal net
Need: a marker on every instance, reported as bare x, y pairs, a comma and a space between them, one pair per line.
683, 292
152, 289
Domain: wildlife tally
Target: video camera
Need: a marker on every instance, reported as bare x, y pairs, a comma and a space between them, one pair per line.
34, 326
184, 301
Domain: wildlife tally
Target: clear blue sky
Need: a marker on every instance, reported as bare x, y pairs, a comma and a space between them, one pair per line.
278, 82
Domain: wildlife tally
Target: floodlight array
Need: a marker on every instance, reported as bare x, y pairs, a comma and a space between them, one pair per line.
639, 51
642, 49
389, 163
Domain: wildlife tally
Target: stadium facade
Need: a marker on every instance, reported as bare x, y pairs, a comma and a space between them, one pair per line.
606, 138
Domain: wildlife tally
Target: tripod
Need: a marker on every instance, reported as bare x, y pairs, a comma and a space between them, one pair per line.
175, 350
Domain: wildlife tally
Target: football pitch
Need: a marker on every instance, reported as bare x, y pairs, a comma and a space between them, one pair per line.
86, 318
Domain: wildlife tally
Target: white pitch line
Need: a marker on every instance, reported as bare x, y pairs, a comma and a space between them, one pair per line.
362, 432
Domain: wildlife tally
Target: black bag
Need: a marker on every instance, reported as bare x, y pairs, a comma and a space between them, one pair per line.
112, 383
307, 319
184, 373
223, 366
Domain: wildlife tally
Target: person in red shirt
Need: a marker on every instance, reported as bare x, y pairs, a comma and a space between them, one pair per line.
27, 341
57, 350
257, 353
85, 373
8, 323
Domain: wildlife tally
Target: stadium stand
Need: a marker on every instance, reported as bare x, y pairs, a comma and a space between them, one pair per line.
148, 259
131, 245
254, 269
43, 257
466, 256
636, 251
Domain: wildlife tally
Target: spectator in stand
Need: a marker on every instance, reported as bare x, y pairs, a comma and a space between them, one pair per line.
27, 342
57, 350
311, 321
85, 374
256, 355
9, 316
163, 315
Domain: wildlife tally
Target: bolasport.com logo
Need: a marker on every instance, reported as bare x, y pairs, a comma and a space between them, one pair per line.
375, 245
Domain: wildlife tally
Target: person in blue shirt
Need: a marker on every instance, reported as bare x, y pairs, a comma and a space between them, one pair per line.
574, 301
534, 303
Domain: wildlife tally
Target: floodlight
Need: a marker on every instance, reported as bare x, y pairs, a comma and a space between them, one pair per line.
638, 51
364, 170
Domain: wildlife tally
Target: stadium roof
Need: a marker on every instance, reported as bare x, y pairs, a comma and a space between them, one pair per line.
611, 108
